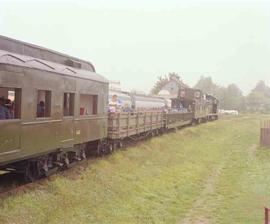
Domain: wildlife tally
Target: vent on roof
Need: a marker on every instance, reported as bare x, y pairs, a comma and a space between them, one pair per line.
74, 64
68, 71
10, 59
39, 64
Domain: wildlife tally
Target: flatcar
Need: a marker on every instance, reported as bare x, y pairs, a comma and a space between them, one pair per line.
54, 111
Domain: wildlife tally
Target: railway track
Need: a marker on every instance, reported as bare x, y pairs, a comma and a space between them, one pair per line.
12, 183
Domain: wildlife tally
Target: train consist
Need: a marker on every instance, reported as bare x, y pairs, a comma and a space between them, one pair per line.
54, 111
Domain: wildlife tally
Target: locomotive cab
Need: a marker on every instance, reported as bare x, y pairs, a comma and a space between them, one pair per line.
194, 100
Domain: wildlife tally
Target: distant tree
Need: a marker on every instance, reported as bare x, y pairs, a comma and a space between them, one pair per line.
163, 80
262, 88
230, 97
207, 85
259, 98
233, 98
175, 76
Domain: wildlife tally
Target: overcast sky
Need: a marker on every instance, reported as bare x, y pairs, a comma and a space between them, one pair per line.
136, 41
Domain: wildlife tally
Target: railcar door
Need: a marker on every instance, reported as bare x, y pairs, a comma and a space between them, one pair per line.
67, 127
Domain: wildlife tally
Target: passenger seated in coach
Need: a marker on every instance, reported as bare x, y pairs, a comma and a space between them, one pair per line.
4, 112
10, 106
41, 109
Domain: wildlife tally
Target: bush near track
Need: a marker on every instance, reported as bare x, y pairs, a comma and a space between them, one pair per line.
212, 173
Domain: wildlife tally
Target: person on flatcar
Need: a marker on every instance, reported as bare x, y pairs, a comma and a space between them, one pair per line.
4, 112
41, 109
127, 108
114, 104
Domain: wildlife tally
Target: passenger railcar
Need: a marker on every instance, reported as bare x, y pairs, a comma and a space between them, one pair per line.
59, 106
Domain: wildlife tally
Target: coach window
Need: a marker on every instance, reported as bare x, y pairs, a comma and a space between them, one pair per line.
88, 104
68, 107
44, 103
10, 103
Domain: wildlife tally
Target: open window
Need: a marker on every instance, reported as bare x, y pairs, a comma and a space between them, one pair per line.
44, 103
88, 104
68, 107
10, 103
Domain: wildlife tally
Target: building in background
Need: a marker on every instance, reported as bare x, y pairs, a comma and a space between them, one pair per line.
115, 85
172, 87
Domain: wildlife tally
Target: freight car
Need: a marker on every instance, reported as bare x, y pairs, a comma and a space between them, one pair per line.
58, 111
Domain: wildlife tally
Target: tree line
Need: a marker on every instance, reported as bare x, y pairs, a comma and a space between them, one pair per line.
230, 97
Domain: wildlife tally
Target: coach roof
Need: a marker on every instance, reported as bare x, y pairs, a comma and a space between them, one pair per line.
35, 51
36, 63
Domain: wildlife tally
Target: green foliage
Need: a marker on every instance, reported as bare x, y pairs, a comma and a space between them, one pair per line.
163, 80
259, 98
207, 85
231, 97
212, 173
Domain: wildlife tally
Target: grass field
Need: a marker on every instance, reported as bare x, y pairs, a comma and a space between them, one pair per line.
212, 173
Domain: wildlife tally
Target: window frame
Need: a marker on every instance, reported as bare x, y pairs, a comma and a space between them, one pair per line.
50, 104
17, 95
95, 104
73, 97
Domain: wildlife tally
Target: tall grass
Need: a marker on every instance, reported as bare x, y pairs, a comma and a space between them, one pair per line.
212, 173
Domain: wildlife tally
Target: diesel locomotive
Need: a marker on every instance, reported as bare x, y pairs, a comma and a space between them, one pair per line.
54, 111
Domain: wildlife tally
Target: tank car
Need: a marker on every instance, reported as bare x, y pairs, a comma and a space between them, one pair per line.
142, 102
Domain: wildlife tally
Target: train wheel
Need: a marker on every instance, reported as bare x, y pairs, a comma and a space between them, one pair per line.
32, 171
83, 154
116, 145
112, 147
120, 144
66, 160
102, 148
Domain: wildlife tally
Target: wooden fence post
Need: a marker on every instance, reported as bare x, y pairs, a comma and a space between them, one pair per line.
266, 216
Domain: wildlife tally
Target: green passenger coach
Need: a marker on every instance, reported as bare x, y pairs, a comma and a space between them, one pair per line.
56, 106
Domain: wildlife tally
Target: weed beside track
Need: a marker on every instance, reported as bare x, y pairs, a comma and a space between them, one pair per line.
213, 173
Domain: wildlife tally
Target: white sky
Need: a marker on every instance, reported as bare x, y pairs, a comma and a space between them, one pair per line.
136, 41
